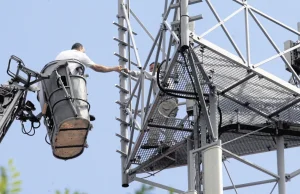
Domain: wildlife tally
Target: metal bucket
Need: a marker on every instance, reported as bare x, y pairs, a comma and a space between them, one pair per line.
63, 99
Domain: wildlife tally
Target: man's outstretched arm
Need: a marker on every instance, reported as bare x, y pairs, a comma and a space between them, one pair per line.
105, 69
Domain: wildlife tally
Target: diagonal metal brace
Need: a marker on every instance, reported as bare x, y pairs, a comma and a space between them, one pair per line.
198, 63
293, 174
200, 96
250, 164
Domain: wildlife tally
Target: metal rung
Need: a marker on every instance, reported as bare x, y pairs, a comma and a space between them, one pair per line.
125, 59
122, 42
123, 122
124, 138
123, 28
191, 19
124, 74
122, 153
175, 5
120, 103
122, 89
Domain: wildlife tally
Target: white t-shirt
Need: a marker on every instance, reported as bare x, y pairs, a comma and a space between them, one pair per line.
148, 75
65, 55
75, 54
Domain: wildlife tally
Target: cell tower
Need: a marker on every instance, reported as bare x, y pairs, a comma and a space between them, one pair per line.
233, 107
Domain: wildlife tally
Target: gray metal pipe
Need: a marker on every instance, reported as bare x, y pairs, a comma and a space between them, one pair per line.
281, 165
123, 84
184, 24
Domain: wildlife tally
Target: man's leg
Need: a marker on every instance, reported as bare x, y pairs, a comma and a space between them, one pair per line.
169, 109
152, 141
169, 133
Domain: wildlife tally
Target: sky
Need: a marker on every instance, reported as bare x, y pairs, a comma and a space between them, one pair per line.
37, 30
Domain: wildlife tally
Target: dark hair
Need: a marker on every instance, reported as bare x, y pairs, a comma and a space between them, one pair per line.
153, 63
77, 46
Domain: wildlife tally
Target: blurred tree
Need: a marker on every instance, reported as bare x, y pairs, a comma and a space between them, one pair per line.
147, 190
9, 181
67, 191
144, 189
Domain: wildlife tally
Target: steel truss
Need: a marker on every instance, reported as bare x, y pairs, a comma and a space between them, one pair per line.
235, 101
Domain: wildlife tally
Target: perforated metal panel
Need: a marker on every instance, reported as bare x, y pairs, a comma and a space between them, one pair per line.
178, 81
247, 103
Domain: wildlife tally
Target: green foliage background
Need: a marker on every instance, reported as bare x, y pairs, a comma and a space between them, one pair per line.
10, 182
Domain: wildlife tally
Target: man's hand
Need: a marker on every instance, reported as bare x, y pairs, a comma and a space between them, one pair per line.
120, 68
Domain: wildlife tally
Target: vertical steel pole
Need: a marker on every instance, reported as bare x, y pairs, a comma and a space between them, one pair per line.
280, 164
123, 84
212, 157
213, 105
142, 97
203, 136
128, 52
203, 130
184, 24
213, 178
191, 166
247, 35
196, 146
164, 33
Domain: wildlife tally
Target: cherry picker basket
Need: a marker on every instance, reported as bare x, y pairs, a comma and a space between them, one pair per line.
65, 109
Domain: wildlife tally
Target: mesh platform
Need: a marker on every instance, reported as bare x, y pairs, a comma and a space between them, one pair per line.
247, 101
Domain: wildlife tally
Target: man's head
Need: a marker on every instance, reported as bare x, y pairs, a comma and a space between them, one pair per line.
152, 65
79, 47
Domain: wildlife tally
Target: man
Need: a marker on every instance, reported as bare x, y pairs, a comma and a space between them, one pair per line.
78, 52
168, 109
